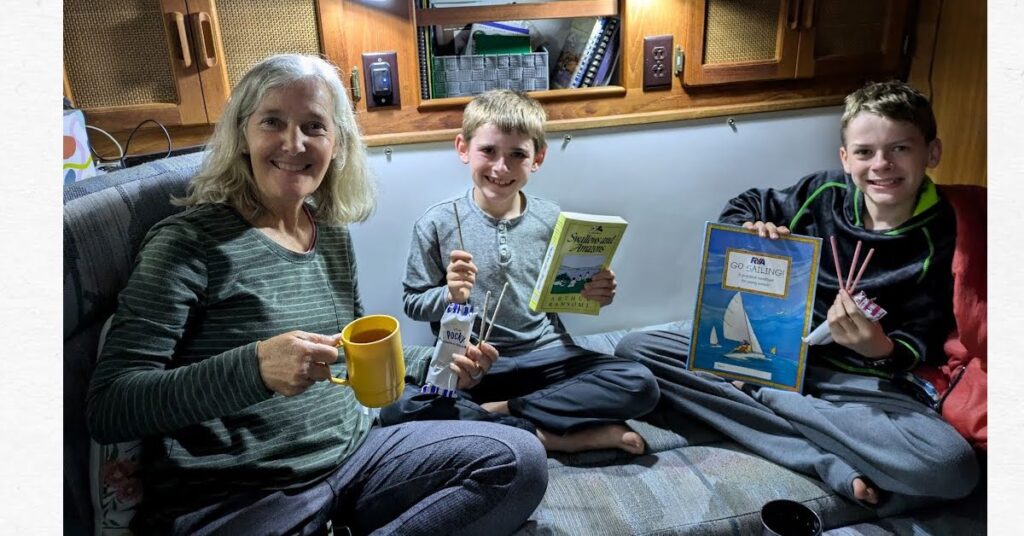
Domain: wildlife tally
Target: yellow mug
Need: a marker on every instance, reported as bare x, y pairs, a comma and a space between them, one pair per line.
376, 364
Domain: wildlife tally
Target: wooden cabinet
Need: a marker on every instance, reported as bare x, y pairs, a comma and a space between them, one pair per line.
126, 60
751, 40
173, 61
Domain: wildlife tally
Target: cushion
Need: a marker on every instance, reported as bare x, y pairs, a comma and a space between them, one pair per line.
105, 219
114, 483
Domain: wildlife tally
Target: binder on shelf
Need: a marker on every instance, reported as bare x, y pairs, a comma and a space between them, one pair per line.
588, 52
605, 56
424, 62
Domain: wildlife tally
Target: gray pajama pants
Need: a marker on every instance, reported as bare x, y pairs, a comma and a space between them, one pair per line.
413, 479
843, 426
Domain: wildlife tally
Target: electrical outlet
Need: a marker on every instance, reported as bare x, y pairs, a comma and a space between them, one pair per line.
657, 62
380, 70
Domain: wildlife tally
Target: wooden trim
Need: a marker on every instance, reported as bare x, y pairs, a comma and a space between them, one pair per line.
116, 118
67, 87
549, 95
642, 118
549, 10
330, 14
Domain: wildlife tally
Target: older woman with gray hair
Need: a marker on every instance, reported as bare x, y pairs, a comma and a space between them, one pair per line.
226, 331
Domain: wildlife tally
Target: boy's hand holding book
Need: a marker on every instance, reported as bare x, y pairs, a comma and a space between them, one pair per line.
768, 229
461, 275
601, 287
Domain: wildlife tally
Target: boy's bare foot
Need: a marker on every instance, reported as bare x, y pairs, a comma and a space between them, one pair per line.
864, 492
738, 384
612, 436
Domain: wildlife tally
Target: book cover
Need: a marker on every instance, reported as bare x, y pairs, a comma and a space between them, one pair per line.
755, 302
581, 245
569, 59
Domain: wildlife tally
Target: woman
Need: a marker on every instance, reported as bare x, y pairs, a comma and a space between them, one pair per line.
219, 350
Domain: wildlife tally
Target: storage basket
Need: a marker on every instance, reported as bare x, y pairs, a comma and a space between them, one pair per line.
459, 76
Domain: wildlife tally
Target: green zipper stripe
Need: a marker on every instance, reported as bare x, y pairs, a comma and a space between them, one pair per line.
859, 370
902, 230
810, 199
856, 207
931, 253
917, 356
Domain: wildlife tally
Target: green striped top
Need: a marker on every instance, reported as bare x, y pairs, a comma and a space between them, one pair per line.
179, 366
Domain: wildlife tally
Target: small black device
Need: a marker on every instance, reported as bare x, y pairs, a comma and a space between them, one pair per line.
381, 88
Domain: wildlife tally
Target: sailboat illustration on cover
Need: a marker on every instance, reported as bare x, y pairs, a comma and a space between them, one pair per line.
736, 327
714, 338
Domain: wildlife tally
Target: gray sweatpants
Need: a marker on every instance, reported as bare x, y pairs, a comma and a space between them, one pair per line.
842, 427
420, 478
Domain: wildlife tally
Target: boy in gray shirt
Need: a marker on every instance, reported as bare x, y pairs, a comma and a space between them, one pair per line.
572, 398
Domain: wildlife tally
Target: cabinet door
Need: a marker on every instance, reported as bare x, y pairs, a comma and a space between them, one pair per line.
843, 37
243, 32
741, 40
126, 61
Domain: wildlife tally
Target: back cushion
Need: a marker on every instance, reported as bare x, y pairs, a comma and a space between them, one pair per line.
105, 219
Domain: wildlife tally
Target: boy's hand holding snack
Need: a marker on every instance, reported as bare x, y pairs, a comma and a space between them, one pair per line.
461, 276
470, 367
601, 287
852, 329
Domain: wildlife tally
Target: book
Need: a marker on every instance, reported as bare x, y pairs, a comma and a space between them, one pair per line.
582, 32
755, 303
581, 245
606, 54
509, 37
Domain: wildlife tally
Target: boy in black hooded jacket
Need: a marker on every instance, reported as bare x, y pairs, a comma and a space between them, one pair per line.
864, 429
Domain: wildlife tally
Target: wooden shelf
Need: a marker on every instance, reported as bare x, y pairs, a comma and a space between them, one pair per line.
549, 95
567, 9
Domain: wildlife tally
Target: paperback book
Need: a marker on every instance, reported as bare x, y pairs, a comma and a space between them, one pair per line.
755, 303
581, 246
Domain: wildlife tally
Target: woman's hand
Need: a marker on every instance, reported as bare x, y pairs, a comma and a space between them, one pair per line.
461, 276
471, 366
768, 229
291, 362
601, 287
850, 328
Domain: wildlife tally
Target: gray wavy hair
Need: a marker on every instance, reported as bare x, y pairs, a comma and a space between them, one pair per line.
346, 194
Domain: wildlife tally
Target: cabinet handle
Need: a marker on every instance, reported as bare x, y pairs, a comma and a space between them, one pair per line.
793, 17
809, 14
186, 54
207, 51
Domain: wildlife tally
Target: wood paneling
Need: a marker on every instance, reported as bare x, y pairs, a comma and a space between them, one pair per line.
955, 80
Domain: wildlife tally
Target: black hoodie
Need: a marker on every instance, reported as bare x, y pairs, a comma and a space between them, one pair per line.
909, 275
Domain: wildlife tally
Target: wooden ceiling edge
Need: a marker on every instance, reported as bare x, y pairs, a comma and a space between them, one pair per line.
642, 118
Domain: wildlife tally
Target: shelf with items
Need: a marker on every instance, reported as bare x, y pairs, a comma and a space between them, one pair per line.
528, 50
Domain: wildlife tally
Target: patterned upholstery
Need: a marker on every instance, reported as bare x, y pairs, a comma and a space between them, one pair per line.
693, 481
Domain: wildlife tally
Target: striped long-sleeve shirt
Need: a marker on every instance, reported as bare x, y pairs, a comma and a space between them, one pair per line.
179, 366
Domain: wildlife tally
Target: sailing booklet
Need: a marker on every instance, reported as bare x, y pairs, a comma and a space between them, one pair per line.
755, 303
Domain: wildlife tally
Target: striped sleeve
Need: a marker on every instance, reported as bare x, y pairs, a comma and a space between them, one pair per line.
133, 387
